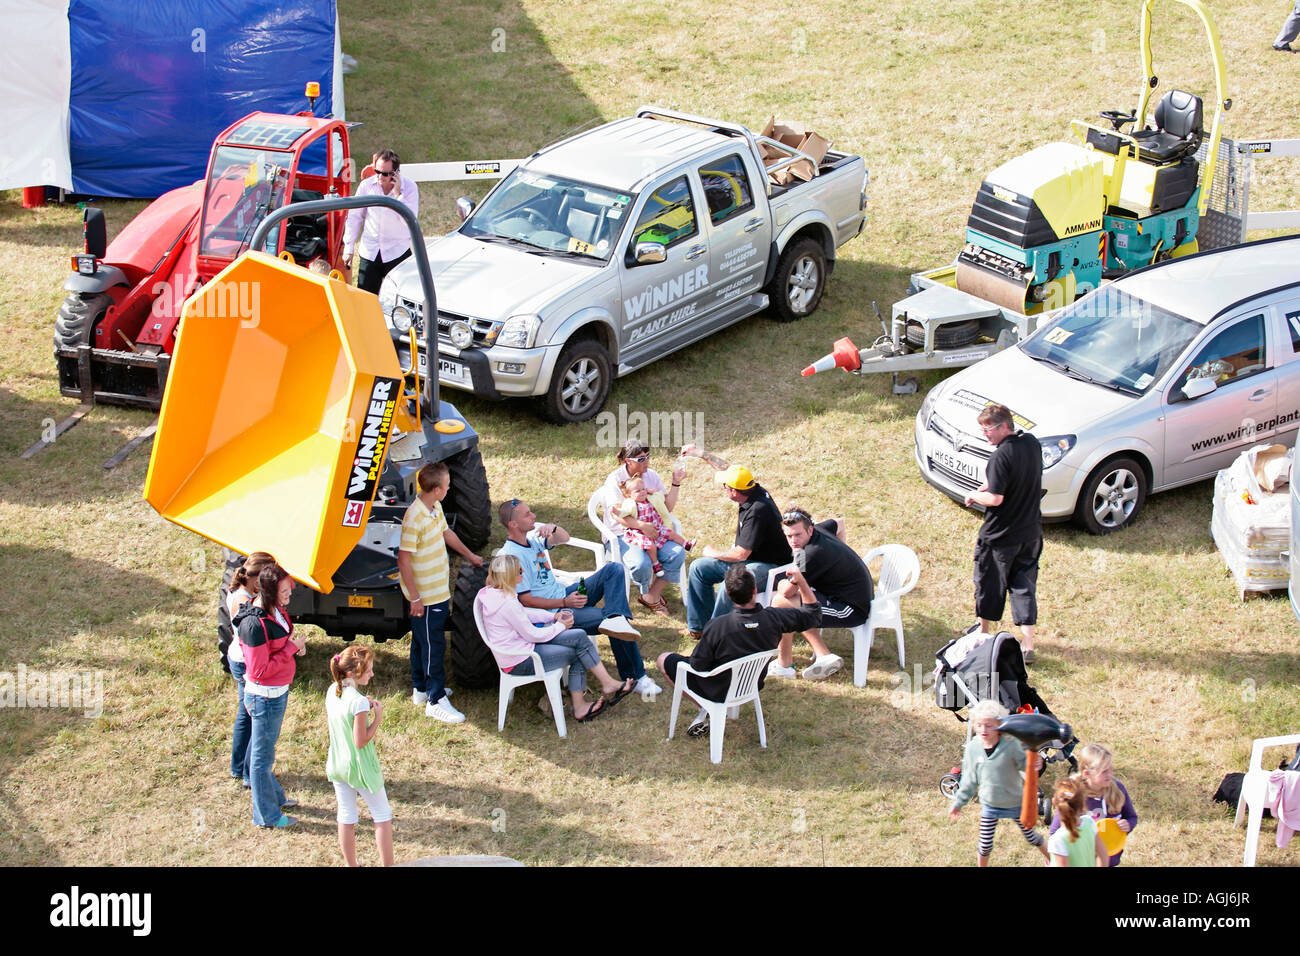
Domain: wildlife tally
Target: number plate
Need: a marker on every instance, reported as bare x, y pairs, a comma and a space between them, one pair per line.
959, 465
448, 371
361, 600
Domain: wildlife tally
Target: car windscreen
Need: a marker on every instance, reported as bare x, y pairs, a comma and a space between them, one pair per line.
552, 215
1114, 340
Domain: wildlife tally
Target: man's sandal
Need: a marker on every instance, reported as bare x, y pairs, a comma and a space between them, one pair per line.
659, 607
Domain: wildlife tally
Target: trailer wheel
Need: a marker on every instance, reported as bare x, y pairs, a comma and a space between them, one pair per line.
796, 289
225, 627
468, 499
580, 383
951, 335
1112, 496
471, 660
77, 316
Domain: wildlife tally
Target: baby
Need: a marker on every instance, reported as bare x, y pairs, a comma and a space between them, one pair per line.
640, 505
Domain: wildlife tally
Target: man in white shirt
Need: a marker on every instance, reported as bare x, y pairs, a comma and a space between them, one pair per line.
385, 239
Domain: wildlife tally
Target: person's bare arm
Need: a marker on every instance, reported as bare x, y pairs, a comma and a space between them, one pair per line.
693, 451
452, 540
408, 578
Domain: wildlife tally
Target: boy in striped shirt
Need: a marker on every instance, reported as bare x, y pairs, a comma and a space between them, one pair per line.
424, 571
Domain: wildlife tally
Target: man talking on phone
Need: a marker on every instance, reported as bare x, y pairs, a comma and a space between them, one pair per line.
385, 239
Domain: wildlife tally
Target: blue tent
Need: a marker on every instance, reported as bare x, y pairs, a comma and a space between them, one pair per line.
154, 81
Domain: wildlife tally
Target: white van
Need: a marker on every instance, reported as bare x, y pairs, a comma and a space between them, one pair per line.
1155, 380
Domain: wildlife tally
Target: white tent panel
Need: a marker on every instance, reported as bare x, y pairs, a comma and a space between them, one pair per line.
35, 89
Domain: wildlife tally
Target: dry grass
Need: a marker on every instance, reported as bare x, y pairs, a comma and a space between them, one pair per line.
1145, 648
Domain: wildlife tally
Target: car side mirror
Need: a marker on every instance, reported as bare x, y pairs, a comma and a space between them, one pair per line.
94, 232
648, 253
464, 206
1197, 387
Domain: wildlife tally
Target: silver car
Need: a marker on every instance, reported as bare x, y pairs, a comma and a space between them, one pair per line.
1156, 380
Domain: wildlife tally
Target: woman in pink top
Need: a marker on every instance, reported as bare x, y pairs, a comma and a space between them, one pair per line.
512, 632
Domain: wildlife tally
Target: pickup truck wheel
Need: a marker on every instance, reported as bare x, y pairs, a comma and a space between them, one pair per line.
77, 316
468, 498
796, 289
225, 627
580, 383
472, 662
1112, 496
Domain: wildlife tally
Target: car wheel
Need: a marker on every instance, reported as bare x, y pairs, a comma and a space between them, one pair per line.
796, 289
580, 383
1112, 496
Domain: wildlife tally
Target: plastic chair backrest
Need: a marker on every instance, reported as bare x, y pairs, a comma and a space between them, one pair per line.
745, 672
899, 569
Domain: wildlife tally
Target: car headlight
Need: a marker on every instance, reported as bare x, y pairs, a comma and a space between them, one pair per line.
1055, 448
461, 335
401, 318
519, 331
927, 406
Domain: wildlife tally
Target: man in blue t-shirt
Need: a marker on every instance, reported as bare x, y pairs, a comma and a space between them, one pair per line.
530, 542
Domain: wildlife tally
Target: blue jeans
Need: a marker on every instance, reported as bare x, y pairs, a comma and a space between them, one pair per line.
428, 648
702, 603
608, 584
672, 556
266, 714
243, 731
572, 649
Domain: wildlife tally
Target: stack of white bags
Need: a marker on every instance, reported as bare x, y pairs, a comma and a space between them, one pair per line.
1251, 525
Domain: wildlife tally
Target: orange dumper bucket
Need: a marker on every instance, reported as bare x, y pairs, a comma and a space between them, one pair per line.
282, 393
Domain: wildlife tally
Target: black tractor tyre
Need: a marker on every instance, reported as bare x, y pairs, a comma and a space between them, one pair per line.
77, 316
469, 499
1112, 496
226, 628
952, 335
472, 663
580, 383
796, 289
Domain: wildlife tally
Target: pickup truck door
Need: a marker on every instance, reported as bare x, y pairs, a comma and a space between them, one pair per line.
1205, 434
739, 225
661, 299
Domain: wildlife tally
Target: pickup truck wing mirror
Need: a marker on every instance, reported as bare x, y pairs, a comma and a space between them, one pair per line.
464, 206
649, 252
1196, 387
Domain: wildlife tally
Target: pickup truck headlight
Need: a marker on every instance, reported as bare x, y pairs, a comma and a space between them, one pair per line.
1055, 448
401, 318
519, 331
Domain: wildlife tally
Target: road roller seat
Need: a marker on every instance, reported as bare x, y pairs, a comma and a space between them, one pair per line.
1180, 119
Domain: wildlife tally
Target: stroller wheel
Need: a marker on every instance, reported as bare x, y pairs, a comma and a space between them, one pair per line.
949, 783
1044, 806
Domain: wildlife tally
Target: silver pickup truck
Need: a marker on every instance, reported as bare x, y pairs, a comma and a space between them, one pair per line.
618, 246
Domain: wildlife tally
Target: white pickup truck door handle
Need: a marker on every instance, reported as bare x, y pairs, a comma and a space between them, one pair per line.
753, 224
696, 252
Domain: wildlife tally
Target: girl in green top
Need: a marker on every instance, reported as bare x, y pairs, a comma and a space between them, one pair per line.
353, 765
1077, 842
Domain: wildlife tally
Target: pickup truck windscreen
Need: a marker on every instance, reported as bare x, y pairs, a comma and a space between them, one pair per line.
552, 215
1114, 340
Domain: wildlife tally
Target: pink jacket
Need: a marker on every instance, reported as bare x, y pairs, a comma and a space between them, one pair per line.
508, 626
1283, 798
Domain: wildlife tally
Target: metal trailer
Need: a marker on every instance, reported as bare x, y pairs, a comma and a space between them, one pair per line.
940, 327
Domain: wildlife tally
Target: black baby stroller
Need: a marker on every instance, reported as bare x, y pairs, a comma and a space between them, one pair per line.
994, 669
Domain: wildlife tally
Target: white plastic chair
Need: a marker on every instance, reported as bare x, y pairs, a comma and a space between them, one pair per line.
744, 672
509, 682
613, 551
899, 570
1254, 787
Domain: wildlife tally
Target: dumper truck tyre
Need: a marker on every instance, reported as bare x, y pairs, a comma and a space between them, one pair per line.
1112, 496
226, 627
580, 383
796, 289
950, 335
472, 663
468, 498
77, 316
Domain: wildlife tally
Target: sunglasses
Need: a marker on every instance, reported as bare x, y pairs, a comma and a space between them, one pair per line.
386, 175
640, 459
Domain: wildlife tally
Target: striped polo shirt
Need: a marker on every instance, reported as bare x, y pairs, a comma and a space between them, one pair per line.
422, 532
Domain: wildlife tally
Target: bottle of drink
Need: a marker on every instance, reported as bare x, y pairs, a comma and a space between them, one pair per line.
582, 586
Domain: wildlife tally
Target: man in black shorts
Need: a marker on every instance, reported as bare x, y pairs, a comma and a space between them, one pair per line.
839, 579
1010, 540
746, 629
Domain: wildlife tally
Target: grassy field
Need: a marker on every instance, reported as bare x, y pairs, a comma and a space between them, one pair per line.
1144, 646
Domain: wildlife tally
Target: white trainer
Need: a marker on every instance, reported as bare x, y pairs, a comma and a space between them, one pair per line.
616, 625
646, 686
823, 667
443, 711
776, 670
419, 697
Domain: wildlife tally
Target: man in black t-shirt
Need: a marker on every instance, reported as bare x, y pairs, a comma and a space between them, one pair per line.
839, 579
1010, 540
746, 629
759, 545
